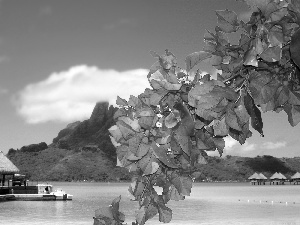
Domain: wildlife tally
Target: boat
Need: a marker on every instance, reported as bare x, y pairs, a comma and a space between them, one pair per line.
61, 195
39, 192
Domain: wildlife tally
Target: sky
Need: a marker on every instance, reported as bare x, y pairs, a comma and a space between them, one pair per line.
58, 58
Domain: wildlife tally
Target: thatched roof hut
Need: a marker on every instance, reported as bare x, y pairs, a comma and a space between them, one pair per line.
278, 177
263, 177
281, 176
296, 176
6, 166
254, 176
275, 176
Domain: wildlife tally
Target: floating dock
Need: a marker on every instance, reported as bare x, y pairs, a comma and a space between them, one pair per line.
40, 192
35, 197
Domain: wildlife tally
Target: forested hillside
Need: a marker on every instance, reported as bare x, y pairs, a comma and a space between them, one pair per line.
83, 151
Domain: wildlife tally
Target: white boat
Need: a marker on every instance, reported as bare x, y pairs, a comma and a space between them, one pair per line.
61, 195
40, 192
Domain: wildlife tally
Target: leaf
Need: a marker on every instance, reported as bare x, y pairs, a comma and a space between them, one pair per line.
295, 48
133, 101
161, 79
220, 127
148, 164
120, 112
271, 54
116, 133
220, 144
110, 214
183, 140
202, 161
232, 120
142, 150
171, 120
199, 124
200, 90
126, 130
294, 98
168, 60
161, 155
165, 214
123, 152
195, 58
183, 184
228, 21
113, 141
250, 58
255, 114
145, 213
134, 143
276, 37
146, 122
281, 96
121, 101
293, 112
137, 188
174, 194
241, 112
118, 216
185, 129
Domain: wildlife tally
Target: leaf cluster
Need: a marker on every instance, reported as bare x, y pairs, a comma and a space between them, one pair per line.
163, 134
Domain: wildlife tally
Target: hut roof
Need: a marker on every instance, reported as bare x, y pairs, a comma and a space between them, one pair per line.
296, 176
275, 176
278, 176
263, 176
6, 166
255, 176
282, 176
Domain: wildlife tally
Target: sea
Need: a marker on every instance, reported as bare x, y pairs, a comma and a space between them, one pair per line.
209, 203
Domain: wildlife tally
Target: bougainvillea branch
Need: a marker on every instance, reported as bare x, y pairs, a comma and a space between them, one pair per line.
163, 134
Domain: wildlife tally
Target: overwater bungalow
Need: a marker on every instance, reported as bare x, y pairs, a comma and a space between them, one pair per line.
277, 178
18, 189
295, 178
263, 177
7, 168
258, 179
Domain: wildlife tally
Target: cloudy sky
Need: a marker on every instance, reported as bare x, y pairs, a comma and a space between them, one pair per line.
58, 58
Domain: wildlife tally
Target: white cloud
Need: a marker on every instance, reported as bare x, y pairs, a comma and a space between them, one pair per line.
71, 95
230, 143
271, 145
247, 147
233, 147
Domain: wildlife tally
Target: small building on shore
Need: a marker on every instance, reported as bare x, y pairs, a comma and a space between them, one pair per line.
7, 168
258, 179
295, 178
277, 178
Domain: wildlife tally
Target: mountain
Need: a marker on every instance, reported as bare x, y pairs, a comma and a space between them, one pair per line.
91, 133
83, 151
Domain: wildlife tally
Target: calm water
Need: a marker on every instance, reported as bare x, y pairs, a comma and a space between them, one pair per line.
210, 203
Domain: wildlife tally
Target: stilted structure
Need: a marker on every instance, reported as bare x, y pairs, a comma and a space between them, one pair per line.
257, 179
295, 178
6, 168
263, 178
277, 178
